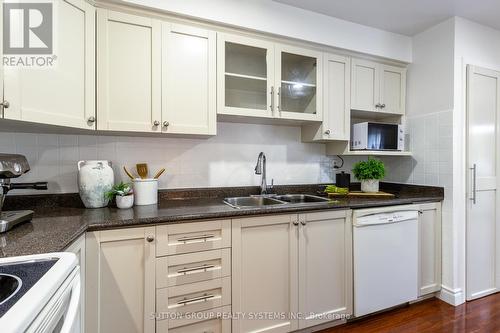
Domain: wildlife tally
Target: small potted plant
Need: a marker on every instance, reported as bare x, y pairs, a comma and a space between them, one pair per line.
123, 194
369, 172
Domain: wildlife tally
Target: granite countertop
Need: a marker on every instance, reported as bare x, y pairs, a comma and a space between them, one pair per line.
60, 219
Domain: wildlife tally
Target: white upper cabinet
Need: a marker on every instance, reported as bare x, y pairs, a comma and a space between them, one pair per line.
392, 89
188, 80
62, 94
377, 87
267, 80
336, 102
245, 76
299, 89
129, 72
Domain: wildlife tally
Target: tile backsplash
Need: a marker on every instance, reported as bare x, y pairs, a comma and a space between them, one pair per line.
227, 159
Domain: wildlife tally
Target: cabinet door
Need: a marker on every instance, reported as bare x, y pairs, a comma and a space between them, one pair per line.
64, 93
429, 248
337, 106
365, 85
245, 76
129, 72
299, 80
264, 271
392, 89
325, 267
120, 294
189, 82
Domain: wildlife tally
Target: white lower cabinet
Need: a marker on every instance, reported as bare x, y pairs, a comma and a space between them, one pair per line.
325, 267
291, 271
429, 228
78, 248
120, 281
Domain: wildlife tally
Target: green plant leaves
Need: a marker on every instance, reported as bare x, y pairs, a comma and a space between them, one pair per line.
370, 169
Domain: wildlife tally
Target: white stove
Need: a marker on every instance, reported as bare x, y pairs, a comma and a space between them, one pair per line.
40, 293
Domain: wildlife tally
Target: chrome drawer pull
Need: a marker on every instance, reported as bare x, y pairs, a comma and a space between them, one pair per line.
198, 268
205, 297
187, 239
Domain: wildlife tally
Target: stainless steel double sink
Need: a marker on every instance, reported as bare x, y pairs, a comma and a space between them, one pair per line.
273, 200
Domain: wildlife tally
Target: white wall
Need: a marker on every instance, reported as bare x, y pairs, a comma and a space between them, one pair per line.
225, 160
280, 19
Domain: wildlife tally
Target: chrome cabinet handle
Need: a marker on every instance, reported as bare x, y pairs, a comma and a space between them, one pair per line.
474, 168
327, 132
156, 123
303, 222
166, 124
5, 104
295, 222
187, 239
382, 106
378, 105
279, 99
205, 297
197, 268
272, 99
91, 120
150, 238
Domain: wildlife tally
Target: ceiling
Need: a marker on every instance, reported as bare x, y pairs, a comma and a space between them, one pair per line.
407, 17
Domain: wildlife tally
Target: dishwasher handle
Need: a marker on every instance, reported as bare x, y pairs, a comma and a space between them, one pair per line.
385, 218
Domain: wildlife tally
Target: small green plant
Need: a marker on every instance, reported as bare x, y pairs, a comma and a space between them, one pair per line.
121, 189
370, 169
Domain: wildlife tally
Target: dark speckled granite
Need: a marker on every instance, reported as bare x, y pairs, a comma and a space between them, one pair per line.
60, 219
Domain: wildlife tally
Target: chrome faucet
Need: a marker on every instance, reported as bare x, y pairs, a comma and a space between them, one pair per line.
260, 169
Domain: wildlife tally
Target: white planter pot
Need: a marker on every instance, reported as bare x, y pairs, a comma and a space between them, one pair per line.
124, 202
370, 185
145, 191
95, 178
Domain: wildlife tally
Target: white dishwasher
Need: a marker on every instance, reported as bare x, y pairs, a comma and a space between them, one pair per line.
385, 250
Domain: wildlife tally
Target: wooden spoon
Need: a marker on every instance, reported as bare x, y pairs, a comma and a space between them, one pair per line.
159, 173
142, 170
128, 173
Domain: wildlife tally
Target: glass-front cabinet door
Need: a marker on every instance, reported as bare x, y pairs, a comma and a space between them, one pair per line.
245, 76
299, 72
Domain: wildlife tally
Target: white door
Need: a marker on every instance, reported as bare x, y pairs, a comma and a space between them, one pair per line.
325, 267
365, 85
483, 228
337, 106
189, 81
392, 89
299, 78
264, 273
62, 94
245, 76
129, 72
120, 281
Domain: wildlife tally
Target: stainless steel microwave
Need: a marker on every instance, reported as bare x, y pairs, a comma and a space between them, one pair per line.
377, 136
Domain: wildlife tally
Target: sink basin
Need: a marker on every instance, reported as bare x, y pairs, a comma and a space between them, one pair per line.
243, 202
9, 286
301, 198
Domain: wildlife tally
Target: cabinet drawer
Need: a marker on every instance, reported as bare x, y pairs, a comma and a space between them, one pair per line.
194, 297
192, 267
193, 237
210, 321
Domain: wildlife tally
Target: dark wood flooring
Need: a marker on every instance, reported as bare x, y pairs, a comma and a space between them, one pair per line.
433, 315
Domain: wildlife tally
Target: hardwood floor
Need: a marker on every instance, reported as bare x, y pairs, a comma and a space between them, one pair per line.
433, 315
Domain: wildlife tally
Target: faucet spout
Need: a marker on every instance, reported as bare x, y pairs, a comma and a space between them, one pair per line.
260, 169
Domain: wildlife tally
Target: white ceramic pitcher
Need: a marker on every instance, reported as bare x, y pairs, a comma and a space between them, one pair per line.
95, 178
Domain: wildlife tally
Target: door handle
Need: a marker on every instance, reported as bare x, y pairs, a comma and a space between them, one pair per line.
474, 188
272, 99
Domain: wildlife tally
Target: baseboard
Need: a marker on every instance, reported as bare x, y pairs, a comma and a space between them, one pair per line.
452, 296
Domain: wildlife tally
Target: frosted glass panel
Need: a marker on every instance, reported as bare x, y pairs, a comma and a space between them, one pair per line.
297, 97
246, 60
298, 68
246, 93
